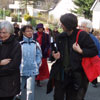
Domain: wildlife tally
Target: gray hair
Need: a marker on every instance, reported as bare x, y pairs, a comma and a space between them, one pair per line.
8, 26
88, 24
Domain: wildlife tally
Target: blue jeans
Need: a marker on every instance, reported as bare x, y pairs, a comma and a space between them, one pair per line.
29, 83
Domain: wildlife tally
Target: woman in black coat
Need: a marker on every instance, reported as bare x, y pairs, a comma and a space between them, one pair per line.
10, 59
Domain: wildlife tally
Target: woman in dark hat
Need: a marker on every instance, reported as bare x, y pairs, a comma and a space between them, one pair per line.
44, 42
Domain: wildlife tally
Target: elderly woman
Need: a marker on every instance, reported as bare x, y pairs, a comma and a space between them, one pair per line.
86, 25
10, 59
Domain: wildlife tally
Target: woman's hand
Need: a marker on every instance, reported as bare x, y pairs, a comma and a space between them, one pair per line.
5, 61
77, 48
56, 55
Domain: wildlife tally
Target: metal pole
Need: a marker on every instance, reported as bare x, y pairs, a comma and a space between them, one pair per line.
18, 15
3, 13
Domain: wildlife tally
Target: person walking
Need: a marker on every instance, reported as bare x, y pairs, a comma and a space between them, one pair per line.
16, 31
55, 33
31, 60
86, 25
67, 74
10, 59
44, 42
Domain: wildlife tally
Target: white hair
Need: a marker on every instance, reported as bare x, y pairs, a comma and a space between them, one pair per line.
8, 26
88, 24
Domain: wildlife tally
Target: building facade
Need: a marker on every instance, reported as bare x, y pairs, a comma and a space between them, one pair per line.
96, 14
5, 3
64, 6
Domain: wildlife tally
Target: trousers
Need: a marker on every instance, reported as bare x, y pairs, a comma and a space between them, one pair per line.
27, 82
69, 92
6, 98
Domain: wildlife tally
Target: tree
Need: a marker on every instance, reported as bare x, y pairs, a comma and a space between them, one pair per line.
83, 8
5, 3
49, 4
24, 3
45, 4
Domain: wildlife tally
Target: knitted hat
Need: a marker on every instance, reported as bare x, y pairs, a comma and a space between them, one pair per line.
40, 25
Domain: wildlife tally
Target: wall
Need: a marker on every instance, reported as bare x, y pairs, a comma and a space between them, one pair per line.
96, 19
64, 6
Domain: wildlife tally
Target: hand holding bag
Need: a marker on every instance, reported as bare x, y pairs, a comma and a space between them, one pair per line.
91, 65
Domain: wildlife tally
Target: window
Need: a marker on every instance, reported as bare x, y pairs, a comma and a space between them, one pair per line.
39, 3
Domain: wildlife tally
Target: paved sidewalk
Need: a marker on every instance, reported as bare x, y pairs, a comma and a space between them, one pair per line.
92, 93
40, 92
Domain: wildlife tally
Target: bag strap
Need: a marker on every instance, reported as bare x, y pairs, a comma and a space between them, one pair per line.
78, 36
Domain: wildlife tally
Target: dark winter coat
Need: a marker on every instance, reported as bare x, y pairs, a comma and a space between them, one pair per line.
87, 45
10, 73
45, 46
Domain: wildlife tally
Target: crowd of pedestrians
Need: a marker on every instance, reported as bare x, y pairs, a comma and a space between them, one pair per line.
24, 53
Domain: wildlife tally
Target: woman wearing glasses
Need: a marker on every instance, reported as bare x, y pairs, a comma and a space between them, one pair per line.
10, 59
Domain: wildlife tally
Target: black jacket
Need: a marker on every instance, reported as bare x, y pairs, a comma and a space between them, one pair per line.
10, 73
85, 42
87, 45
45, 46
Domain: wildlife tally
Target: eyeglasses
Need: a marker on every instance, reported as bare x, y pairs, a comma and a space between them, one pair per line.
82, 26
3, 32
29, 31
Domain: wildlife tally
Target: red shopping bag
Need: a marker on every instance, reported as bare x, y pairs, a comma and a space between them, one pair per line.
91, 65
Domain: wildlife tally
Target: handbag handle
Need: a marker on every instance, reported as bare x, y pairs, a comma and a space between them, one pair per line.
78, 36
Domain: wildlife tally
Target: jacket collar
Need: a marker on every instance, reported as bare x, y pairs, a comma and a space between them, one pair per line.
9, 40
63, 35
28, 40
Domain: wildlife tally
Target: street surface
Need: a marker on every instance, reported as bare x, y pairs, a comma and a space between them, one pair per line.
40, 92
92, 93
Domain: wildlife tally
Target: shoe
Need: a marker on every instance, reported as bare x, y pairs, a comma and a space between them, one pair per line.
17, 98
95, 85
38, 83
